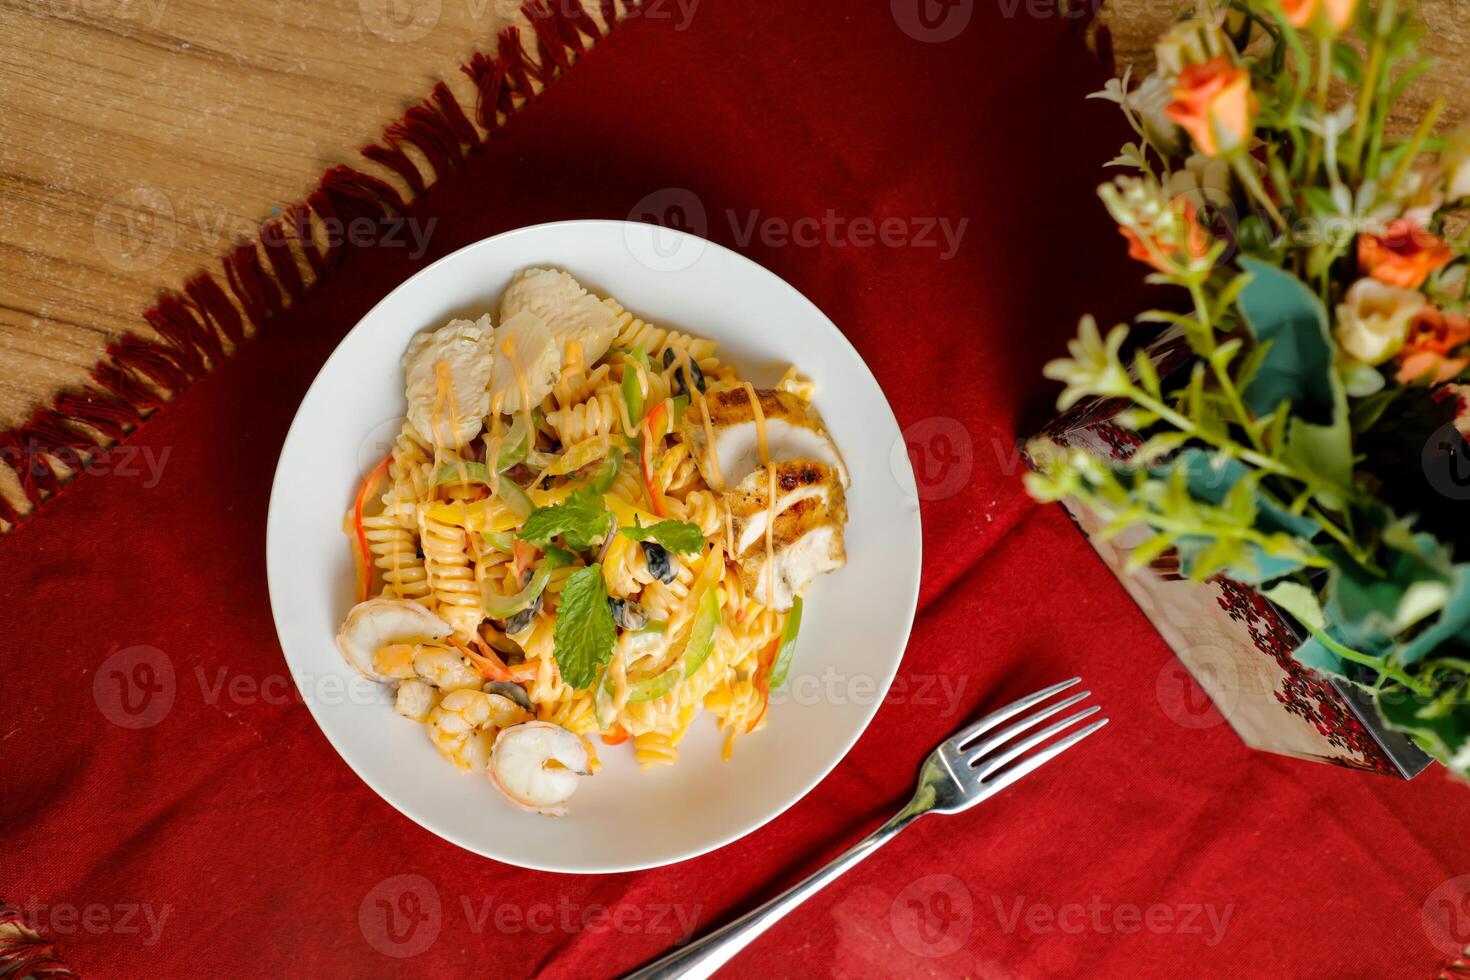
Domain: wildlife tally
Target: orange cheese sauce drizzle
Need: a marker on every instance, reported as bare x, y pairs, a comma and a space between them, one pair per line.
765, 457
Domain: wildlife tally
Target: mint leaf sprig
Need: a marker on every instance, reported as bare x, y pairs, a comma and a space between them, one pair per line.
584, 634
681, 537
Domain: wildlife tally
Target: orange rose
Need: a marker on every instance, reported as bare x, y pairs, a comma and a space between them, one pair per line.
1335, 14
1403, 256
1432, 335
1215, 104
1166, 242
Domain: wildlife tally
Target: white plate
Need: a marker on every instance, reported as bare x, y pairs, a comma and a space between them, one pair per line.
856, 621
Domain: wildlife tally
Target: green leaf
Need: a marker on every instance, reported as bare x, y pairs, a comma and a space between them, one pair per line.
1148, 377
1196, 475
782, 664
1348, 64
1324, 450
1367, 611
584, 633
1438, 733
1148, 551
1314, 654
1453, 621
677, 536
1281, 310
1298, 600
580, 520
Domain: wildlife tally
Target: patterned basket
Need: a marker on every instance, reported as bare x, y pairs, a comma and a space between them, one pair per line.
1237, 645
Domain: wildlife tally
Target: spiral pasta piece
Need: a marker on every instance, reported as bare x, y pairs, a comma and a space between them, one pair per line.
574, 712
633, 332
451, 579
395, 554
577, 385
653, 749
409, 479
595, 416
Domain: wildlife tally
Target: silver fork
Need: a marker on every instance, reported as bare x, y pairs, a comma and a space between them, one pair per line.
957, 775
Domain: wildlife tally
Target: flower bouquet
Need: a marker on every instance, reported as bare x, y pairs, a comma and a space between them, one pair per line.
1310, 442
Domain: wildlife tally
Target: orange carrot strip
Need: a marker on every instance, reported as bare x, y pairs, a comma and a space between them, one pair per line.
362, 557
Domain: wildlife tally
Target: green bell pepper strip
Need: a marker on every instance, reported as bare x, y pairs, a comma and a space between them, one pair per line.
782, 663
702, 632
517, 443
462, 473
632, 396
500, 540
603, 479
515, 498
505, 606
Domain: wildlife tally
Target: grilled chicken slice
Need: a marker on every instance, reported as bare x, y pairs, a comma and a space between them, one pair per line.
525, 353
461, 351
571, 313
794, 431
806, 526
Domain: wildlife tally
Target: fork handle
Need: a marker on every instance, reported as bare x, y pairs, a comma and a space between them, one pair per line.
703, 957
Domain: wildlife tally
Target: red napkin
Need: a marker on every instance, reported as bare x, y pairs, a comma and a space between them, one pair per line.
219, 834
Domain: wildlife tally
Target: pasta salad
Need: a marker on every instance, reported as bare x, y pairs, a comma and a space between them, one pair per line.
589, 530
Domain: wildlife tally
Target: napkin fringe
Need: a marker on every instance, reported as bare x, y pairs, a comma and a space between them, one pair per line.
202, 325
24, 952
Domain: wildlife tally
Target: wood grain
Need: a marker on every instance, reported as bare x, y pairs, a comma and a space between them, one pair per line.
139, 139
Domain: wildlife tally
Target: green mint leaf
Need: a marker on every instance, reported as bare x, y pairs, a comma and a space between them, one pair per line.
677, 536
580, 520
584, 633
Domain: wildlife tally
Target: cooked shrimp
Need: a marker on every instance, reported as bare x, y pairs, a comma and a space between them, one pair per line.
445, 669
378, 623
415, 700
462, 725
536, 765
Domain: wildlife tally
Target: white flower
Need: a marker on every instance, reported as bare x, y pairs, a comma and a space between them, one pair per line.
1373, 320
1093, 368
1202, 173
1420, 196
1188, 42
1148, 101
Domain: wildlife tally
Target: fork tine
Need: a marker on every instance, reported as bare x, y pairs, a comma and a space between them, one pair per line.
1036, 761
1003, 736
959, 739
1013, 752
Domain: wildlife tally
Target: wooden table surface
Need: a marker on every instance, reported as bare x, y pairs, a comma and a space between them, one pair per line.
140, 139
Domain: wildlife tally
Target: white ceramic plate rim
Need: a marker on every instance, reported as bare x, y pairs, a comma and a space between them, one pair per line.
275, 551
